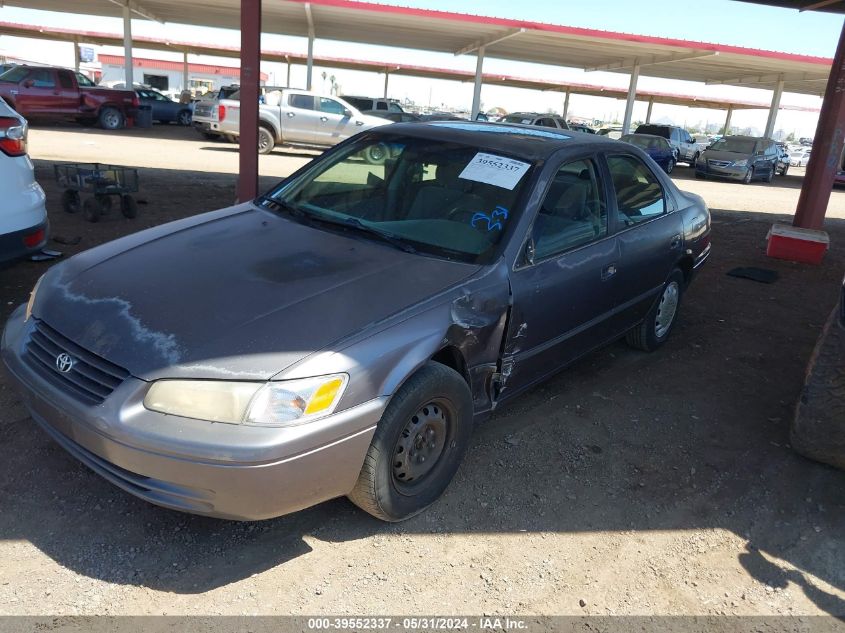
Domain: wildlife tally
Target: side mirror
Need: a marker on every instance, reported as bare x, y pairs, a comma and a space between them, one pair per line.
29, 83
347, 112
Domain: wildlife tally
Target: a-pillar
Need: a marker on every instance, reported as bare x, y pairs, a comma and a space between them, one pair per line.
476, 91
632, 97
127, 47
249, 86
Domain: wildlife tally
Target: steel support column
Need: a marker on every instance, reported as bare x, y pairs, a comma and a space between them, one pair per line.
476, 91
566, 104
127, 47
727, 130
185, 74
250, 80
76, 60
773, 111
827, 148
309, 64
632, 97
650, 108
386, 81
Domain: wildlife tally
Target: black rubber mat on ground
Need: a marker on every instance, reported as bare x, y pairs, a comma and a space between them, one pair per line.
763, 275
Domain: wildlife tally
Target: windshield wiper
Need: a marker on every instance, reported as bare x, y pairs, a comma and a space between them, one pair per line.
355, 223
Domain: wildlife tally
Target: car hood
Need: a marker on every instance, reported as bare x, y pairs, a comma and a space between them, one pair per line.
722, 155
371, 121
240, 293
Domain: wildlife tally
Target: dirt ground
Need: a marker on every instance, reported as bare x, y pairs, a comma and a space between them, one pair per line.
629, 484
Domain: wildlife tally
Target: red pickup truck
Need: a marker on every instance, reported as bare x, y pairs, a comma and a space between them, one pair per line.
41, 92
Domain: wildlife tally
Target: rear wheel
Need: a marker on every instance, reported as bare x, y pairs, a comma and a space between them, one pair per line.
376, 154
694, 159
71, 202
670, 166
661, 318
128, 207
418, 445
266, 141
184, 117
92, 210
785, 170
111, 118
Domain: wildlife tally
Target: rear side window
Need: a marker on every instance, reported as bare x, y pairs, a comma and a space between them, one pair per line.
42, 79
381, 105
656, 130
546, 122
639, 195
65, 80
303, 102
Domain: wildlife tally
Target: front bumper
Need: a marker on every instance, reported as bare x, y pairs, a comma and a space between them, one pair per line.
728, 172
221, 470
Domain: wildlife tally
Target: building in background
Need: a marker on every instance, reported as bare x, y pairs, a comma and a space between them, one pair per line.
168, 76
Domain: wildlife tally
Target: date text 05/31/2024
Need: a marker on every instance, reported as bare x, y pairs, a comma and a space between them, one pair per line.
486, 623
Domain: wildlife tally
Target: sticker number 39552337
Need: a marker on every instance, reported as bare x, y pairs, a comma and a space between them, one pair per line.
494, 170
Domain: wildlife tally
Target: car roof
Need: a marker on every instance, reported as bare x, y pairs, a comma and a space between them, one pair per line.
527, 141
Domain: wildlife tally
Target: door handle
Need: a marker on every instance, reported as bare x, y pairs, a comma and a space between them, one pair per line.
608, 271
324, 118
291, 115
676, 241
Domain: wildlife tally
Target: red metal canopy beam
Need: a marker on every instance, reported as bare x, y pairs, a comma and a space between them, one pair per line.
249, 83
827, 148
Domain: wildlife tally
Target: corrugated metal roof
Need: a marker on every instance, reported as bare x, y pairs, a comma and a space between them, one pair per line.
559, 45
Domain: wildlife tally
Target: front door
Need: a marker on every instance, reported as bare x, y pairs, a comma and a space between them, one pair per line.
335, 122
563, 291
37, 93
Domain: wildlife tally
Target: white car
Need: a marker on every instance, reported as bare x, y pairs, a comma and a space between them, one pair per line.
23, 216
799, 158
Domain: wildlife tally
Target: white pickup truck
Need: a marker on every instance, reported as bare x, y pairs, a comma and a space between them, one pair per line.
287, 117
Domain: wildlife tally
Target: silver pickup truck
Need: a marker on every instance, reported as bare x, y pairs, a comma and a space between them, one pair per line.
289, 117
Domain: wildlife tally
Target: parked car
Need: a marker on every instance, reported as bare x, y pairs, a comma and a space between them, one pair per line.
364, 317
23, 216
165, 110
613, 132
58, 93
743, 158
799, 158
656, 147
533, 118
686, 149
580, 127
702, 142
373, 104
290, 117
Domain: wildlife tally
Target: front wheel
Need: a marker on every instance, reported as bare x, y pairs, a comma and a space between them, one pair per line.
184, 117
670, 166
748, 176
418, 445
661, 318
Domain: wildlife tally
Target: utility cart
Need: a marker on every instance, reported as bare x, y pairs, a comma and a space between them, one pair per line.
102, 182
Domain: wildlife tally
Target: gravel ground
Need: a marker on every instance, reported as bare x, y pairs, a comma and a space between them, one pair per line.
629, 484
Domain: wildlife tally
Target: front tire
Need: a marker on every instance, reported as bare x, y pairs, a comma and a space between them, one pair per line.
184, 117
670, 166
418, 445
748, 176
661, 318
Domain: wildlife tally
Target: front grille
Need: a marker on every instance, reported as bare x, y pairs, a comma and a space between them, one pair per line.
91, 378
719, 163
203, 109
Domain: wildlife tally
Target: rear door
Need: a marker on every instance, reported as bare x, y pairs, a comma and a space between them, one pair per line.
649, 233
299, 118
66, 93
564, 286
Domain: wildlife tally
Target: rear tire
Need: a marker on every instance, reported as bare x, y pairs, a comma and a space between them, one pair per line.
184, 117
376, 154
128, 207
785, 170
92, 210
661, 318
670, 166
429, 417
111, 118
694, 160
266, 140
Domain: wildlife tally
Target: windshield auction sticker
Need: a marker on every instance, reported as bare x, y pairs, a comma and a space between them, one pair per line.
494, 170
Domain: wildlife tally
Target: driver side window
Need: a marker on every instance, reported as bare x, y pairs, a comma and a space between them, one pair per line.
573, 213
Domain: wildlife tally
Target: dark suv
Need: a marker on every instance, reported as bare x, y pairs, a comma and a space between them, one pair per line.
534, 118
686, 149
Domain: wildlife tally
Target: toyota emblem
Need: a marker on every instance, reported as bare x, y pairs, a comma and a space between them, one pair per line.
64, 363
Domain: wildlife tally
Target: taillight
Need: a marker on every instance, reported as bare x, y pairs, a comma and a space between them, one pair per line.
221, 112
12, 136
34, 239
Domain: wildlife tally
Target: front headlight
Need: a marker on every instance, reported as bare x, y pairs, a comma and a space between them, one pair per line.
282, 403
31, 301
740, 163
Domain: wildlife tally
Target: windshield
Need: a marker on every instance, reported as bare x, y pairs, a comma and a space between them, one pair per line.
735, 145
14, 75
525, 119
646, 142
359, 103
445, 199
656, 130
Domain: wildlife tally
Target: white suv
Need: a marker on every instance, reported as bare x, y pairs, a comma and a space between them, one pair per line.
23, 216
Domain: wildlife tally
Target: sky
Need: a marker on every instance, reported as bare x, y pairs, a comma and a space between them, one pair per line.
720, 21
